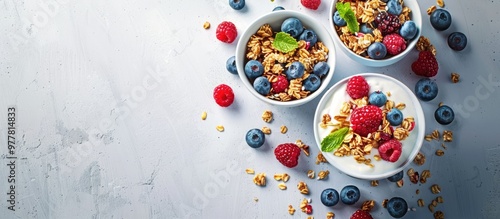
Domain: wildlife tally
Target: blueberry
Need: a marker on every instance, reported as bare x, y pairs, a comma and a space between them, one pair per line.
231, 65
377, 98
444, 115
262, 85
329, 197
440, 19
396, 177
364, 28
278, 8
349, 194
394, 7
253, 69
321, 69
309, 36
237, 4
457, 41
408, 30
397, 207
426, 89
292, 26
395, 117
255, 138
295, 70
377, 50
337, 20
312, 83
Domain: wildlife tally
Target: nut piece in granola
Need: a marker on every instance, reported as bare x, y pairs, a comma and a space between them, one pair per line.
320, 159
267, 116
310, 174
302, 186
260, 179
323, 174
455, 77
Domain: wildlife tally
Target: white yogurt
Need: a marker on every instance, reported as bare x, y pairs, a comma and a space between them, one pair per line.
331, 104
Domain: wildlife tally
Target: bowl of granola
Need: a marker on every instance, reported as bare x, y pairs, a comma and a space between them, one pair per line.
376, 32
285, 58
369, 126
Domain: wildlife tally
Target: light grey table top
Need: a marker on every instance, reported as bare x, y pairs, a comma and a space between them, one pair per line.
108, 97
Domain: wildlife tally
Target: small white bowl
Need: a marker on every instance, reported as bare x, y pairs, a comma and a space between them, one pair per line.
274, 19
331, 103
415, 17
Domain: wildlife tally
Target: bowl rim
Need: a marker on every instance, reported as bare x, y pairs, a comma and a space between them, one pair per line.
420, 117
319, 28
382, 62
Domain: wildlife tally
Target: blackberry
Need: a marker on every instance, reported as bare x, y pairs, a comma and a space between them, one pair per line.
387, 23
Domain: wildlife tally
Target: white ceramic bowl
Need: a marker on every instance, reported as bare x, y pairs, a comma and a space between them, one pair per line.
274, 19
331, 103
415, 16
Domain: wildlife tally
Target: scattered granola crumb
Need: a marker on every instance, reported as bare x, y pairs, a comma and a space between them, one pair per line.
455, 77
206, 25
447, 136
417, 191
320, 159
255, 199
219, 128
368, 205
304, 147
374, 183
440, 3
266, 130
249, 171
435, 189
260, 179
438, 215
291, 210
439, 152
283, 129
203, 115
330, 215
420, 202
303, 205
267, 116
431, 9
282, 186
302, 186
440, 104
323, 174
400, 183
419, 159
384, 203
310, 174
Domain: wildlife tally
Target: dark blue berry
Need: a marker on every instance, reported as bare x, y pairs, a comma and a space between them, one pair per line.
237, 4
364, 28
377, 50
321, 69
397, 207
254, 69
440, 19
309, 36
444, 115
262, 85
295, 70
337, 20
395, 117
255, 138
377, 98
312, 83
329, 197
457, 41
396, 177
408, 30
394, 7
350, 194
292, 26
278, 8
426, 89
231, 65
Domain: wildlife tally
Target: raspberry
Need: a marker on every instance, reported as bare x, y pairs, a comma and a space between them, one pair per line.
280, 85
226, 32
309, 209
366, 119
311, 4
387, 23
287, 154
426, 64
357, 87
390, 150
360, 214
394, 43
223, 95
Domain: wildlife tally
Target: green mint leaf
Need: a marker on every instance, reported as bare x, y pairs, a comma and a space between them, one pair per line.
347, 14
285, 43
334, 140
